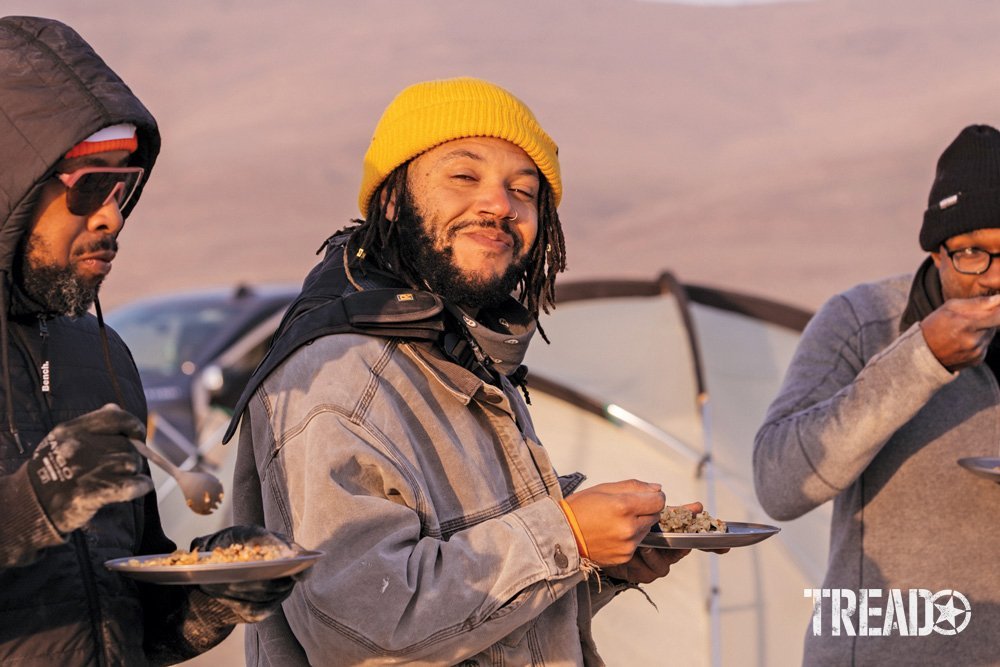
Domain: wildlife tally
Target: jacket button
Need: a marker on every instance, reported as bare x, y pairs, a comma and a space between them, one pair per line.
560, 558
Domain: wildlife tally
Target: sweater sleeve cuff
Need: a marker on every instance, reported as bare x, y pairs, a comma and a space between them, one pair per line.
923, 358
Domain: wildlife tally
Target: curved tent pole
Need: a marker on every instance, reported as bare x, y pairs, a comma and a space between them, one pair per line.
755, 307
758, 308
670, 284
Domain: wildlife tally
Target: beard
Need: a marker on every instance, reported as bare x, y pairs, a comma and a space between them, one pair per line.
418, 250
59, 289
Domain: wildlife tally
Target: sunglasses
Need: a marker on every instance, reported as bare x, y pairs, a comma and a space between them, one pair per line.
90, 189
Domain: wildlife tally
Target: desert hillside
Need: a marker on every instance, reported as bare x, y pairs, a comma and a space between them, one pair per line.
783, 149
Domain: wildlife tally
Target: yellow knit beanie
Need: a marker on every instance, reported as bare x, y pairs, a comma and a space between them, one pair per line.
428, 114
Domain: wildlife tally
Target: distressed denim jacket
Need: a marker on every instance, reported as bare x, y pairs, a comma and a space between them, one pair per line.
435, 506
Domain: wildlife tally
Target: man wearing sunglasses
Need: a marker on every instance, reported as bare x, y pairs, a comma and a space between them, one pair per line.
77, 146
70, 246
893, 382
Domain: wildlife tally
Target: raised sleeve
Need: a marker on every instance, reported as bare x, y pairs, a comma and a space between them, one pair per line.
836, 408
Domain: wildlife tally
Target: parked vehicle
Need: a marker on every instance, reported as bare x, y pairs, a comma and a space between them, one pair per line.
195, 351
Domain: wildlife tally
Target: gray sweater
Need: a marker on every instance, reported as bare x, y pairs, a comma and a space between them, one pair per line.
868, 418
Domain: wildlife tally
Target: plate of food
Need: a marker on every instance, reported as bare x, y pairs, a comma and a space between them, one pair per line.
984, 466
222, 565
680, 528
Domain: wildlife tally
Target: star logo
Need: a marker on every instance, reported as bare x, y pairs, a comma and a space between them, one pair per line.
954, 615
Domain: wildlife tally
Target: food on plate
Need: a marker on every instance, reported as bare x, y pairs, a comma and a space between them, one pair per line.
683, 520
234, 553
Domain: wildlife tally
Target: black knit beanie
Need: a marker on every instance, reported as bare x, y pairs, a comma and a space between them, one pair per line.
965, 195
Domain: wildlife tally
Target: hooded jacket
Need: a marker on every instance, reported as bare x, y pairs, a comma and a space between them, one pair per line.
59, 605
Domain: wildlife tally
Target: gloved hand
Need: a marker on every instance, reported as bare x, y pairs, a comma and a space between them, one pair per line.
251, 601
87, 463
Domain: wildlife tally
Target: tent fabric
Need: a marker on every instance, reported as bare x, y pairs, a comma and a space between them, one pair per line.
664, 382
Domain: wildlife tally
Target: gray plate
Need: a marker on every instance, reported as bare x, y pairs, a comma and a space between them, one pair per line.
984, 466
212, 573
739, 535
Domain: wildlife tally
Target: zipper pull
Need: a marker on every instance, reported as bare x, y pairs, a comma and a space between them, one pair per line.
45, 369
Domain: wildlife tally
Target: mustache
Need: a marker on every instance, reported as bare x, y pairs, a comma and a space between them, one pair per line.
502, 225
101, 244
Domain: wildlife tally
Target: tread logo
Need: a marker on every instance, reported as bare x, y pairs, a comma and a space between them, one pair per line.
915, 612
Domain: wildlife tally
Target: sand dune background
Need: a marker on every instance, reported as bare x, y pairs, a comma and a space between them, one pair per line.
782, 149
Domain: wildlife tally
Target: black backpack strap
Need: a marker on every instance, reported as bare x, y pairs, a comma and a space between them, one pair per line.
387, 312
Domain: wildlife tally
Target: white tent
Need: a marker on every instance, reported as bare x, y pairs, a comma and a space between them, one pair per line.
668, 383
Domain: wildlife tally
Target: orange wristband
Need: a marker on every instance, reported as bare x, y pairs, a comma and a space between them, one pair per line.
581, 544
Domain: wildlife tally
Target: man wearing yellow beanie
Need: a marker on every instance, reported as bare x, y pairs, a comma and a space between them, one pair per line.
384, 427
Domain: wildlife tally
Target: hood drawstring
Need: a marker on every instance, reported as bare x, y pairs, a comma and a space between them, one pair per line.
5, 357
8, 388
107, 354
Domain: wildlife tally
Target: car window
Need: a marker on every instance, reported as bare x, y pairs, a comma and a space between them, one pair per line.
166, 338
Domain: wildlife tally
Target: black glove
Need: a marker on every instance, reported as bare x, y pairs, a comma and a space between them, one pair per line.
87, 463
251, 601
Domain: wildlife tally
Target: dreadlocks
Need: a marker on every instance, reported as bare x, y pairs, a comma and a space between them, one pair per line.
376, 239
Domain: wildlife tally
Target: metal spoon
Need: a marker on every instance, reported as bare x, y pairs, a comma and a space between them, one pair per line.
202, 490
